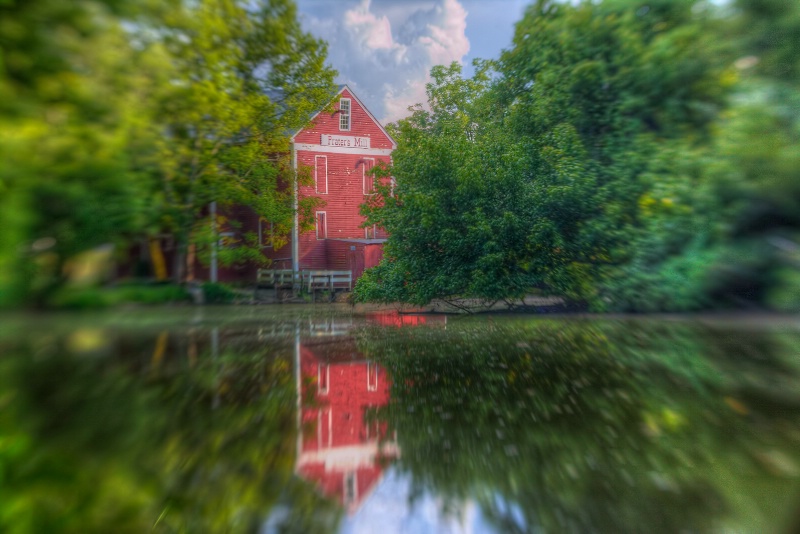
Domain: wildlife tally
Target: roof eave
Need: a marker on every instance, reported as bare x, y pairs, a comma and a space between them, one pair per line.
360, 103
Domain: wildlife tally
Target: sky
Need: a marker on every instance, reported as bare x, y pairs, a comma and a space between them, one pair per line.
391, 510
384, 49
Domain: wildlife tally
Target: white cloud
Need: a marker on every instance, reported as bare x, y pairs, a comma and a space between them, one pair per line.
385, 49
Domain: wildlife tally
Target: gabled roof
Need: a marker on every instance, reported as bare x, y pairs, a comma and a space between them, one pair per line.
360, 103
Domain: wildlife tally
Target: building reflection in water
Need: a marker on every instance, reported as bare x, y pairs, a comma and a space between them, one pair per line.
342, 447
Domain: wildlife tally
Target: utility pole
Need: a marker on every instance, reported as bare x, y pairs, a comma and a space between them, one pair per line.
295, 222
214, 242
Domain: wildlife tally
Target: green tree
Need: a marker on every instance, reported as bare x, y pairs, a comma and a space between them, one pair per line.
762, 143
627, 155
68, 110
556, 152
458, 215
125, 119
246, 74
637, 84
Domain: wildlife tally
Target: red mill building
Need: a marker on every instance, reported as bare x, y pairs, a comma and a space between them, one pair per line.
340, 148
346, 449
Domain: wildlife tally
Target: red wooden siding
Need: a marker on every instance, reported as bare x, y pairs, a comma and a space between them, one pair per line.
339, 183
361, 124
345, 191
373, 254
321, 174
246, 221
342, 444
351, 255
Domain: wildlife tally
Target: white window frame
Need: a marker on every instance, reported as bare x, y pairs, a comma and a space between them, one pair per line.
323, 371
317, 160
372, 369
271, 226
325, 224
321, 416
345, 116
365, 176
371, 229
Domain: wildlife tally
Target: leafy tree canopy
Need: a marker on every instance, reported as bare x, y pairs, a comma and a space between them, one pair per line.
622, 154
125, 119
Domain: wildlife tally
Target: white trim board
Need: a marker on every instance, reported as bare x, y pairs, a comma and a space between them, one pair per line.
360, 103
342, 150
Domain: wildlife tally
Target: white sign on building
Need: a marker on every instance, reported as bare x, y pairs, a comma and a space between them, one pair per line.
344, 141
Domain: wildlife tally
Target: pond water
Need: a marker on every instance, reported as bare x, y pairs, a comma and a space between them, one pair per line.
305, 419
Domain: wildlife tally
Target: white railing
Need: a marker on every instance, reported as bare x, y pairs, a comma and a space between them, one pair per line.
310, 280
330, 280
277, 278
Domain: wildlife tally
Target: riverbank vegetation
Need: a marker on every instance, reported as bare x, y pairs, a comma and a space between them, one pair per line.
634, 156
123, 120
629, 156
596, 425
141, 430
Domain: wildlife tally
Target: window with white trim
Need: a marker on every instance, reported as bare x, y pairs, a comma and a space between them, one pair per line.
265, 233
367, 177
322, 225
324, 427
344, 114
372, 376
371, 232
321, 174
323, 378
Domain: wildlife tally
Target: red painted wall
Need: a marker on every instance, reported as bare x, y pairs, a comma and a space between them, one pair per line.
373, 254
337, 419
360, 125
246, 222
342, 198
348, 399
345, 185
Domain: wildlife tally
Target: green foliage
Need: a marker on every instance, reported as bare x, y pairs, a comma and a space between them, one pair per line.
87, 298
622, 154
770, 31
457, 218
593, 426
217, 293
246, 75
132, 432
68, 109
123, 120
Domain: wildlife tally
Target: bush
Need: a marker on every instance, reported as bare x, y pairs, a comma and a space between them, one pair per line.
215, 293
785, 295
87, 298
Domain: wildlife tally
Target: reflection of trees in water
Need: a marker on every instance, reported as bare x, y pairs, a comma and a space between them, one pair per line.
570, 425
150, 433
591, 426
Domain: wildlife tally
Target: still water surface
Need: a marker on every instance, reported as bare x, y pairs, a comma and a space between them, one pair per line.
320, 420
